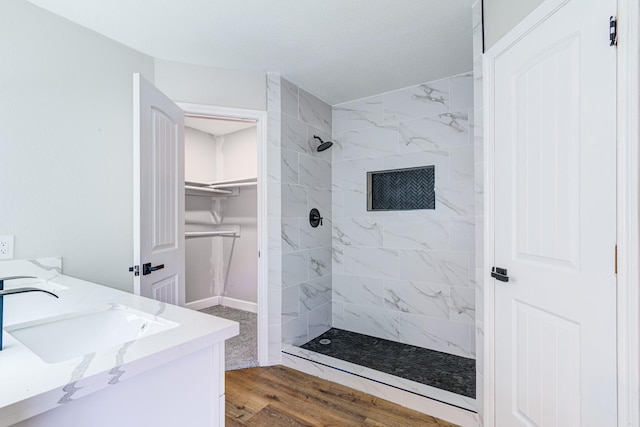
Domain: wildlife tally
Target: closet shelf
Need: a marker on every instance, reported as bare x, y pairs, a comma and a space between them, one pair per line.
218, 188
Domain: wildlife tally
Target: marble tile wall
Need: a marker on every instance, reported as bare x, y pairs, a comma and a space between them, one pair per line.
305, 184
478, 145
407, 276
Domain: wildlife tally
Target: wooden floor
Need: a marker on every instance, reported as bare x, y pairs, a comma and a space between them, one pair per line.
279, 396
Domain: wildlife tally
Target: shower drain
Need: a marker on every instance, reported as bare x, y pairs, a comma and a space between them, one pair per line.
325, 341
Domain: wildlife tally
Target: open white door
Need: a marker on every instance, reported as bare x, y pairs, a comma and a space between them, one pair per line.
552, 110
158, 224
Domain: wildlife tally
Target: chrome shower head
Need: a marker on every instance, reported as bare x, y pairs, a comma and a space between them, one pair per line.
323, 144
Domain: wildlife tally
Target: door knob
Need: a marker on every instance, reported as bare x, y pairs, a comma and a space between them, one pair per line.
499, 274
147, 269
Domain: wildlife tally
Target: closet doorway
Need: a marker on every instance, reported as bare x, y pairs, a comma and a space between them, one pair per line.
225, 218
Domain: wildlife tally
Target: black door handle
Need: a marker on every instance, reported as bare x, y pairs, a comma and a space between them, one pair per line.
147, 269
499, 274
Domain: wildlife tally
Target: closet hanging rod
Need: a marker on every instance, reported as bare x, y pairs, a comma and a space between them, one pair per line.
210, 233
207, 189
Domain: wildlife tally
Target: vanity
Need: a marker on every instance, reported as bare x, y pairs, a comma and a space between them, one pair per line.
96, 356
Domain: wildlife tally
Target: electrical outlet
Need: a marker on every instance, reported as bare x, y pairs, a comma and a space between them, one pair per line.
6, 247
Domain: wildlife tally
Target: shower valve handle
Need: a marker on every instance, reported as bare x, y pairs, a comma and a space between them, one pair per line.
314, 218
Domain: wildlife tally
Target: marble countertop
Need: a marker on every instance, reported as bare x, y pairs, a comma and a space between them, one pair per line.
31, 386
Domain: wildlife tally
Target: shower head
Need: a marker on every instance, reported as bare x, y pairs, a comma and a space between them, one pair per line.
323, 144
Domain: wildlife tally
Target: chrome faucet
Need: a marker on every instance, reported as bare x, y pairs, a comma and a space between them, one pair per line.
4, 292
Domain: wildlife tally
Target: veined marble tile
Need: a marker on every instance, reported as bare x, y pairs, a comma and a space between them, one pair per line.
441, 267
357, 290
417, 298
294, 134
274, 229
417, 101
352, 174
290, 231
319, 320
274, 201
337, 314
275, 307
435, 133
455, 198
478, 189
462, 166
476, 14
337, 255
477, 41
315, 293
274, 165
275, 271
461, 87
357, 232
358, 114
439, 159
435, 334
319, 262
370, 142
429, 232
318, 237
463, 305
290, 303
295, 331
314, 111
372, 321
478, 137
289, 168
314, 172
479, 331
337, 210
479, 248
463, 234
354, 204
371, 262
336, 149
273, 92
289, 94
313, 143
321, 199
294, 201
295, 268
477, 81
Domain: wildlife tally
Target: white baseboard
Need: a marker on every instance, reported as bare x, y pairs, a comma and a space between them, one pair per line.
203, 303
239, 304
225, 301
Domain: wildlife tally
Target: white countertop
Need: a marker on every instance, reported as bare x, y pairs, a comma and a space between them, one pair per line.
31, 386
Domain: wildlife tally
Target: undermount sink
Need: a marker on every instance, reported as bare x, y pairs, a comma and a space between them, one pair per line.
61, 338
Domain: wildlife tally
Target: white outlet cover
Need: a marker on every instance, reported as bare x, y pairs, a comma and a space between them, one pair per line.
6, 247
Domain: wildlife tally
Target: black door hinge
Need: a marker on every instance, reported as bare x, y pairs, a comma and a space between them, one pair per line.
613, 31
135, 270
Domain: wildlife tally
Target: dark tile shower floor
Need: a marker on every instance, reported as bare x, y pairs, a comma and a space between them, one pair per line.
444, 371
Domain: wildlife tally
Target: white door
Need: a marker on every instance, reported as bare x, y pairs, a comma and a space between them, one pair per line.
555, 221
158, 243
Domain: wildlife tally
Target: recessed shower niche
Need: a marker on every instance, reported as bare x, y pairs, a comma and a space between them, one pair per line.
401, 189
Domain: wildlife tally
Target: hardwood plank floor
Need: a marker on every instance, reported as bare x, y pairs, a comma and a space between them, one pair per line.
279, 396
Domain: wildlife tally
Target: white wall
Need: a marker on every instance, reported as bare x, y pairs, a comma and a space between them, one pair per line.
65, 143
238, 155
242, 281
500, 16
211, 86
200, 156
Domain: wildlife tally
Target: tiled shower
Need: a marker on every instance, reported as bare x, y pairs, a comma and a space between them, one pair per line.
405, 276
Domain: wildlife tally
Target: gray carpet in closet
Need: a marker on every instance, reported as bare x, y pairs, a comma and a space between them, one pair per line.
240, 351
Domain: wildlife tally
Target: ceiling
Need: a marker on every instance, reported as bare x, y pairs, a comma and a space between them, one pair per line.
339, 50
217, 127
